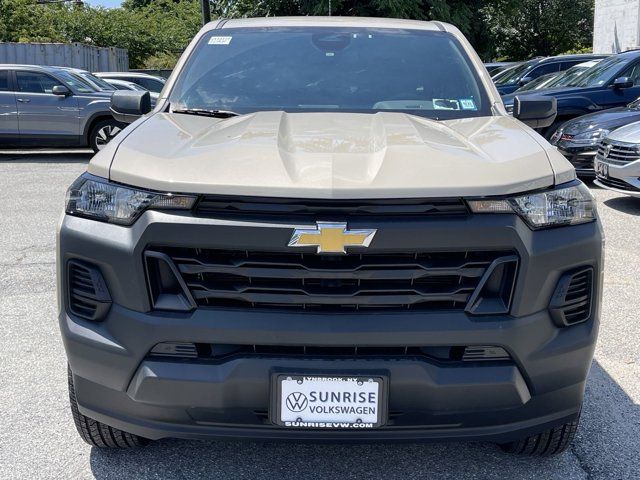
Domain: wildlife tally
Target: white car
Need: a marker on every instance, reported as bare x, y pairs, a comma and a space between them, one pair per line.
150, 82
617, 162
125, 85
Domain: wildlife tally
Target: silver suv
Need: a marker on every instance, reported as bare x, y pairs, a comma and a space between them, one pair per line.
50, 106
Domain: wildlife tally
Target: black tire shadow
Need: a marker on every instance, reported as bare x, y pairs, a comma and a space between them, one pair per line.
624, 204
173, 459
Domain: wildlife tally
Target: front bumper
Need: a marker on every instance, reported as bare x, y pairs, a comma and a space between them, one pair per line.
619, 178
119, 384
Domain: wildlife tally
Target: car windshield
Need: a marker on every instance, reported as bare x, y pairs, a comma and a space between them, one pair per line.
129, 86
75, 83
635, 104
601, 73
567, 77
331, 69
99, 83
512, 75
538, 83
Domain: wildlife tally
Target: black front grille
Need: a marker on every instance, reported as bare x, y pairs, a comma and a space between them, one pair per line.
221, 206
616, 183
435, 281
582, 162
88, 294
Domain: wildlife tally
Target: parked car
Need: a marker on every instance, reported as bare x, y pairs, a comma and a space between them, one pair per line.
124, 85
613, 82
150, 82
379, 255
578, 139
540, 82
49, 106
527, 71
558, 79
97, 83
617, 163
496, 67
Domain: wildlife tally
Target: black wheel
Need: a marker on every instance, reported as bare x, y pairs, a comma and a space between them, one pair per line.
102, 133
98, 434
550, 442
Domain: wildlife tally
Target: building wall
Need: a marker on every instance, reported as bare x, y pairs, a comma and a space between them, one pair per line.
616, 26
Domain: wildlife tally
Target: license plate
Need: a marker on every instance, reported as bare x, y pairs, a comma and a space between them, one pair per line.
602, 169
333, 402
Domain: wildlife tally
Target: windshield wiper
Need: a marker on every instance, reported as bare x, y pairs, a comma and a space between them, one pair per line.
207, 113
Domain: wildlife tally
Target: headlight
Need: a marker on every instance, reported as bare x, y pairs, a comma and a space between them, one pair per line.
99, 199
555, 138
563, 206
591, 137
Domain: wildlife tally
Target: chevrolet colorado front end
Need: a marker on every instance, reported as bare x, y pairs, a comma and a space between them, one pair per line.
329, 229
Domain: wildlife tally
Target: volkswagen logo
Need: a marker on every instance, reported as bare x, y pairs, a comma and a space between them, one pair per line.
296, 402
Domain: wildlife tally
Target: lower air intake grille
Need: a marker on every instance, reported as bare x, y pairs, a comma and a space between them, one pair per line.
571, 302
88, 294
206, 351
244, 279
616, 183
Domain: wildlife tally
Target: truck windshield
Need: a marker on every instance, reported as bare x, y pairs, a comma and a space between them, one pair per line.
601, 73
331, 69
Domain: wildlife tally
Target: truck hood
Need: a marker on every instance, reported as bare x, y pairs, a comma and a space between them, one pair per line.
332, 155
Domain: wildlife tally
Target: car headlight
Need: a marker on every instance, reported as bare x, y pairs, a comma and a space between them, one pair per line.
591, 137
568, 205
98, 199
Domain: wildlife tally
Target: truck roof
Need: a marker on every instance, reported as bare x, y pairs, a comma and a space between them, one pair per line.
327, 22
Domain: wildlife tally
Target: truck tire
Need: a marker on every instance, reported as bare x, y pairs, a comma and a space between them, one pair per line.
547, 443
102, 133
98, 434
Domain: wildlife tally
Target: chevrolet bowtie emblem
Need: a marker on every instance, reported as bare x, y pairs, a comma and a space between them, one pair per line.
331, 237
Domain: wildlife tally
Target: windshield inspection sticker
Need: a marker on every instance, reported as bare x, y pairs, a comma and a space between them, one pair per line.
468, 104
445, 104
220, 40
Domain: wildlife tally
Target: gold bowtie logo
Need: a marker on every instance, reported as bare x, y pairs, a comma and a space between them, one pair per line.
331, 237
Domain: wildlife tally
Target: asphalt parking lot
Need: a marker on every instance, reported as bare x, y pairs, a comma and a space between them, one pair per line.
38, 439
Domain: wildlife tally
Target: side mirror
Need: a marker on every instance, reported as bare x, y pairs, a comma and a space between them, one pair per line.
61, 90
622, 82
535, 111
129, 105
524, 81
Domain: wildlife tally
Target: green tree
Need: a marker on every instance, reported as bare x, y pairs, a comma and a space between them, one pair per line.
526, 28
